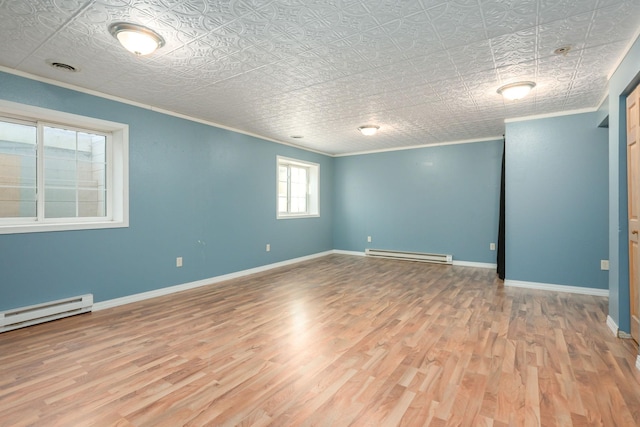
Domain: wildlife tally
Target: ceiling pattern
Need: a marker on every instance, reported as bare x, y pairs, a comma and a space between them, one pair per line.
425, 71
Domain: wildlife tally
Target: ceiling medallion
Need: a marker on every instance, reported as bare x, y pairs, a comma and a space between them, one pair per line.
514, 91
136, 38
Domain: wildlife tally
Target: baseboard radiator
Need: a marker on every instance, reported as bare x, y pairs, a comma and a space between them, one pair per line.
40, 313
411, 256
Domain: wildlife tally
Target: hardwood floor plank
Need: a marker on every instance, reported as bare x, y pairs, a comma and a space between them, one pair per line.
336, 341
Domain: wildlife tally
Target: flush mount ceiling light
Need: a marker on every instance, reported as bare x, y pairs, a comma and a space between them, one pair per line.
517, 90
368, 130
136, 38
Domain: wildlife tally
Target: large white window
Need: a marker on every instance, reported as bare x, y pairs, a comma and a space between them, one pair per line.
298, 188
60, 171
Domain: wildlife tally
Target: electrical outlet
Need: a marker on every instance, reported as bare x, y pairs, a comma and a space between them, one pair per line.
492, 246
268, 249
604, 264
369, 239
179, 261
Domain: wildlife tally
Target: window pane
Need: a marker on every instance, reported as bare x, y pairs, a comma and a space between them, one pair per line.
59, 143
282, 204
17, 170
282, 173
74, 174
297, 194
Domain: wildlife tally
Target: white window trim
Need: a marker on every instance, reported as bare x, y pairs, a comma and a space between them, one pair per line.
313, 191
117, 153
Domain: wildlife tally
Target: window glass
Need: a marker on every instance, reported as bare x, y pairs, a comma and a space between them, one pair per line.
61, 171
74, 174
297, 191
17, 170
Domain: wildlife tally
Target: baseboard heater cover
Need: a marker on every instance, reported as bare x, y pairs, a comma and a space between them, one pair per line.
411, 256
45, 312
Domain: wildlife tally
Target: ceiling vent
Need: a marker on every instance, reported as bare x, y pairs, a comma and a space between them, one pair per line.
62, 66
564, 50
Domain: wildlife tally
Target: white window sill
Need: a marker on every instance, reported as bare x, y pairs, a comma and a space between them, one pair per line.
60, 226
293, 216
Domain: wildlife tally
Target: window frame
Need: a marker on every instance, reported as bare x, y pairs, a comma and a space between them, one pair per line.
117, 173
312, 192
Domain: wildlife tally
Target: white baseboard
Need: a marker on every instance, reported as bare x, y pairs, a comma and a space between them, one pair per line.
198, 283
475, 264
613, 326
638, 362
557, 288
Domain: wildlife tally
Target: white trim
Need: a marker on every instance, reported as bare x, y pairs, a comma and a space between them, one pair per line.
117, 161
313, 188
557, 288
604, 98
551, 115
341, 252
102, 305
638, 362
416, 147
474, 264
624, 335
624, 54
613, 326
151, 107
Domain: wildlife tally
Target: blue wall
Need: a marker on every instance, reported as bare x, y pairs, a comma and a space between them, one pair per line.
622, 82
196, 191
442, 199
556, 201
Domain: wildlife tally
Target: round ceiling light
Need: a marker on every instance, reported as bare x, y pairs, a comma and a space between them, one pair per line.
368, 130
517, 90
136, 38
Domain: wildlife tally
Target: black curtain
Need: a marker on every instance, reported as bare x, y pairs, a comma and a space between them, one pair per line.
500, 260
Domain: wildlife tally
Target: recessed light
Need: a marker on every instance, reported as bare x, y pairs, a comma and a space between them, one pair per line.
517, 90
136, 38
368, 130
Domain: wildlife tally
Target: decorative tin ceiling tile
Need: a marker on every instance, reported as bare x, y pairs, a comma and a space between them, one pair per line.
424, 71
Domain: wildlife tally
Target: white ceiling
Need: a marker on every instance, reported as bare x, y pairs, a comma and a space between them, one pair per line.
425, 71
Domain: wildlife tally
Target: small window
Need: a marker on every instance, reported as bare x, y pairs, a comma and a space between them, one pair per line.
60, 171
298, 185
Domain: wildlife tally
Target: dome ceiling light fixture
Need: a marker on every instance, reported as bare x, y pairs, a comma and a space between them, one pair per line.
514, 91
136, 38
368, 130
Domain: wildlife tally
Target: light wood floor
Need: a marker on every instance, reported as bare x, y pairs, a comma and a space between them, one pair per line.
340, 340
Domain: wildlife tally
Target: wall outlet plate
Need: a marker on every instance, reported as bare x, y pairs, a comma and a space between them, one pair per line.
179, 261
604, 264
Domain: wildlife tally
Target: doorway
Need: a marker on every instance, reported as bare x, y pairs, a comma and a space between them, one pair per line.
633, 185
